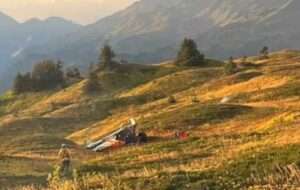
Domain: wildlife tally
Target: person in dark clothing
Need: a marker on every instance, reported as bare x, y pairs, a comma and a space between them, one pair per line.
142, 138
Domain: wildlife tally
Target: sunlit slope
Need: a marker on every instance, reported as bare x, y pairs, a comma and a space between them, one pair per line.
258, 85
34, 125
229, 118
230, 143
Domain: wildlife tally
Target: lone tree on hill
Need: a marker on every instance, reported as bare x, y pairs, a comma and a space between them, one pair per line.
230, 67
106, 57
189, 54
264, 52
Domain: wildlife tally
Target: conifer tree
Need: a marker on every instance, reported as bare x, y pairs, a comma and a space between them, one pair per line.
189, 54
264, 52
106, 57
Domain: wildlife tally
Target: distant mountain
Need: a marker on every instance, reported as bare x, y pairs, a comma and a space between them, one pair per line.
6, 21
42, 31
16, 37
274, 23
144, 27
150, 31
7, 25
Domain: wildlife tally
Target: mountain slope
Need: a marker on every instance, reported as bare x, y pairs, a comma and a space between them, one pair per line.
145, 26
7, 24
277, 28
149, 26
230, 142
145, 21
148, 31
16, 37
6, 21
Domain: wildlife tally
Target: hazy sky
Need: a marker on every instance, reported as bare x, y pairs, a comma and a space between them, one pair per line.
82, 11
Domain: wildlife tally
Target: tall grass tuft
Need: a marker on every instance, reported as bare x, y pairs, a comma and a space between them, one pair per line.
282, 178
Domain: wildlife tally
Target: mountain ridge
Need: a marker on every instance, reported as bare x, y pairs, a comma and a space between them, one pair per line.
167, 23
16, 37
148, 31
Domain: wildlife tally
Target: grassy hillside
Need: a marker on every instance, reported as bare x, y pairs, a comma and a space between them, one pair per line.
242, 127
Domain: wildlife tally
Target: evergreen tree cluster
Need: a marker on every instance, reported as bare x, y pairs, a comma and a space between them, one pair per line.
23, 83
49, 74
189, 54
46, 75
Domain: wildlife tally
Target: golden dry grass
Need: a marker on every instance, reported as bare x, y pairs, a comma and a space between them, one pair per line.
214, 147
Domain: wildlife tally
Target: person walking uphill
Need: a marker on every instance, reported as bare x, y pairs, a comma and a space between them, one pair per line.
65, 159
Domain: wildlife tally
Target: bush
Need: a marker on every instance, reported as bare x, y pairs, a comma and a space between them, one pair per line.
92, 83
171, 100
73, 73
230, 67
195, 99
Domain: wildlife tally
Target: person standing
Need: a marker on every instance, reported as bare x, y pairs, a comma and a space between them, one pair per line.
64, 156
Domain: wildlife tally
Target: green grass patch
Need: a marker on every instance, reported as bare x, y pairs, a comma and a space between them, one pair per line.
193, 115
257, 164
12, 103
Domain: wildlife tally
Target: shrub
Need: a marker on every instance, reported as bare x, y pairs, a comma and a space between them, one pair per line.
171, 100
195, 99
92, 84
230, 67
73, 73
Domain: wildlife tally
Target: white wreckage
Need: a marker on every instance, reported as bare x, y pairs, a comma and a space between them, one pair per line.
123, 136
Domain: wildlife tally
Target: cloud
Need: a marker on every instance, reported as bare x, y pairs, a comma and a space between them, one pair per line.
83, 11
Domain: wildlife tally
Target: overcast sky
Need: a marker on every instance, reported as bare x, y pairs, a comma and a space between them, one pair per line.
81, 11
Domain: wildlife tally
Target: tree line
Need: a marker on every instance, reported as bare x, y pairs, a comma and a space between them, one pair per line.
49, 74
45, 75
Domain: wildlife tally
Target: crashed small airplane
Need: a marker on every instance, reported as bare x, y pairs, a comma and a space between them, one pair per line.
123, 136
